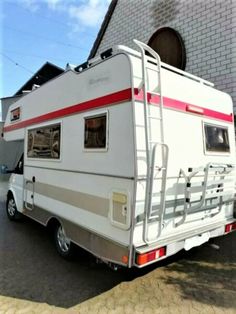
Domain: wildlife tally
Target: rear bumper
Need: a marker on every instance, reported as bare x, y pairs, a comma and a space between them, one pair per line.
185, 240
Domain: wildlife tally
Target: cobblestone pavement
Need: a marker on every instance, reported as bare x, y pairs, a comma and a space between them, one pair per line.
33, 279
203, 281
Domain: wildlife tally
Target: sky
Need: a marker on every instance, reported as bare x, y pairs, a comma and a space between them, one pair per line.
33, 32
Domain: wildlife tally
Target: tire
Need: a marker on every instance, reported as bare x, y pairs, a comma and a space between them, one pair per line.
12, 212
64, 246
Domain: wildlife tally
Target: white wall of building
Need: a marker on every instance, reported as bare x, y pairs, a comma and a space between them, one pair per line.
10, 152
5, 104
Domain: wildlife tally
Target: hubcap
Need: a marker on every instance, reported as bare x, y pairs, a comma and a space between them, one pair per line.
11, 207
63, 241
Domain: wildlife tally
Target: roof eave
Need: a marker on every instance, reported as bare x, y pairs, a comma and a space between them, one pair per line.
103, 28
36, 73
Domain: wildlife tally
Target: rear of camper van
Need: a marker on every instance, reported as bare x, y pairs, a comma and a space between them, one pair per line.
185, 152
125, 156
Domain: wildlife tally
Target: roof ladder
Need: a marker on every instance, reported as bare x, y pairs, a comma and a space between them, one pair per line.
152, 145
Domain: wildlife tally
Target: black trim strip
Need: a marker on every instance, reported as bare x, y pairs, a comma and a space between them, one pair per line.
103, 28
82, 172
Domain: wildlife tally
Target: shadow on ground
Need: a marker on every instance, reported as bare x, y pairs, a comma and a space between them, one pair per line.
207, 275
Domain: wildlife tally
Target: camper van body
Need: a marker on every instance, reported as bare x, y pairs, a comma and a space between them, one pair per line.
120, 153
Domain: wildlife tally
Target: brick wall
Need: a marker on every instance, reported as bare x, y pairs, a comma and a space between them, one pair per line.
208, 29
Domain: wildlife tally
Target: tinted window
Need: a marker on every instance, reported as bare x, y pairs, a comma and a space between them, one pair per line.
95, 132
216, 138
20, 166
44, 142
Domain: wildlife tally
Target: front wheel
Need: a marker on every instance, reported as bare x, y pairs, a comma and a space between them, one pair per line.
64, 246
12, 212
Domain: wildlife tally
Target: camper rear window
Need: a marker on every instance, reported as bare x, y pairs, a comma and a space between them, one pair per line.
95, 132
216, 138
44, 142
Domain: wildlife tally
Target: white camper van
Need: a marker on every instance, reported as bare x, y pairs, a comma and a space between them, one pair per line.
125, 156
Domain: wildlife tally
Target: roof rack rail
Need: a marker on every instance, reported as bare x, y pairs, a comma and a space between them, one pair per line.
109, 52
165, 66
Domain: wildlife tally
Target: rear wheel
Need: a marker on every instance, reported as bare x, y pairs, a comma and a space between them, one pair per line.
12, 212
64, 246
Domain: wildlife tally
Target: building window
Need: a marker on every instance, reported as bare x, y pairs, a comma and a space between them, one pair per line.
168, 43
44, 142
216, 138
95, 132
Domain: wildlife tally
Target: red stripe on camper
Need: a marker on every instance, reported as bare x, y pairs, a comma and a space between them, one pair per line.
182, 106
118, 97
111, 99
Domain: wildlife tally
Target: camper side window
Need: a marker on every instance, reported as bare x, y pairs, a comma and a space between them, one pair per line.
44, 142
95, 132
216, 138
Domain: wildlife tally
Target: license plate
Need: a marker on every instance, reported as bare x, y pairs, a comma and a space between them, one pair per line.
196, 240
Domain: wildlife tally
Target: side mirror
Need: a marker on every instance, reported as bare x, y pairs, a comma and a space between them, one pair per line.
3, 169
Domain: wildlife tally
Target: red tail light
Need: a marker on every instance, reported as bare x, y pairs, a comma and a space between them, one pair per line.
145, 258
230, 227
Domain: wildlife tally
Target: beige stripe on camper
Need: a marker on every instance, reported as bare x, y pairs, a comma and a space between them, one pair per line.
91, 203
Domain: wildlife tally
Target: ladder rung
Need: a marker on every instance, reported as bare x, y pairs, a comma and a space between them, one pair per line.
141, 150
153, 93
155, 142
160, 168
152, 217
154, 118
155, 69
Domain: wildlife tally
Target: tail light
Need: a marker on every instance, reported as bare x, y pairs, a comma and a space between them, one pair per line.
230, 227
145, 258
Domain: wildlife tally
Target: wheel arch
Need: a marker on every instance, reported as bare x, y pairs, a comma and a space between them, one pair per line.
52, 222
9, 193
19, 206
